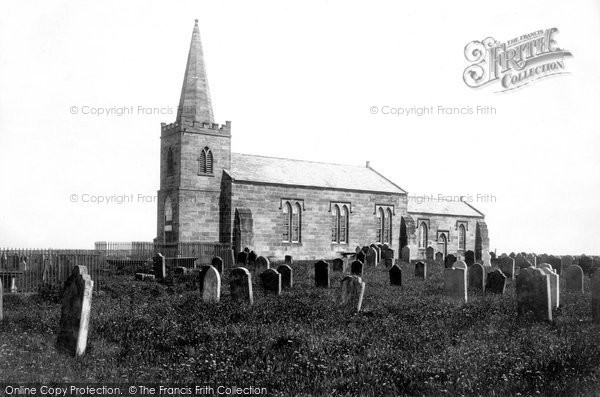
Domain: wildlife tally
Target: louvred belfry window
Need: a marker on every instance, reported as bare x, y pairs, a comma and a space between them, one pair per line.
205, 161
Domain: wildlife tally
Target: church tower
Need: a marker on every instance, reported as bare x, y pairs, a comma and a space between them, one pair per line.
194, 151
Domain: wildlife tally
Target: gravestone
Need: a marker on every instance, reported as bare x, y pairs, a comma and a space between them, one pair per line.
405, 254
352, 291
211, 285
287, 276
247, 250
322, 274
1, 295
371, 257
469, 258
507, 265
160, 266
217, 263
181, 270
565, 262
429, 252
288, 260
271, 281
201, 275
242, 259
356, 268
395, 275
556, 263
338, 265
389, 257
252, 260
421, 270
361, 256
533, 293
261, 264
495, 282
585, 263
439, 258
545, 266
531, 258
75, 312
449, 261
460, 265
476, 276
377, 251
357, 249
240, 285
554, 285
455, 283
595, 287
574, 278
486, 258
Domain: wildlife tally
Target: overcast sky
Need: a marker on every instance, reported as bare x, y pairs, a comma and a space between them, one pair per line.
297, 80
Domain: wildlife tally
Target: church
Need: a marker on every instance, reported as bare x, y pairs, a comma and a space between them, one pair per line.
279, 206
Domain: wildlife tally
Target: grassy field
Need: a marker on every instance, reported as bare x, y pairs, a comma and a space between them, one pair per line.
408, 340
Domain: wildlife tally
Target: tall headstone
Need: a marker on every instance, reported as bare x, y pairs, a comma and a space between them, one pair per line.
449, 261
429, 252
240, 285
439, 258
242, 259
533, 293
217, 263
271, 281
405, 254
75, 312
160, 266
507, 265
486, 258
287, 276
476, 274
338, 265
288, 260
352, 291
261, 264
395, 275
455, 283
469, 258
211, 288
356, 268
322, 274
574, 278
421, 270
495, 282
554, 285
595, 286
371, 257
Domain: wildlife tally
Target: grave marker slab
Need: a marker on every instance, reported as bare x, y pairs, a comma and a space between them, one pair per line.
322, 274
240, 285
288, 260
352, 292
261, 264
211, 286
449, 261
496, 282
476, 274
460, 265
469, 258
405, 253
242, 259
421, 270
429, 252
439, 258
361, 256
395, 275
574, 278
389, 257
217, 263
455, 283
160, 266
356, 268
533, 293
338, 265
271, 281
287, 276
371, 257
554, 285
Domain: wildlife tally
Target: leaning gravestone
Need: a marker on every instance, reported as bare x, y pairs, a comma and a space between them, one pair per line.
160, 266
75, 312
322, 274
371, 257
469, 258
271, 281
439, 258
533, 293
574, 278
554, 285
595, 286
496, 282
338, 265
449, 261
421, 270
211, 286
240, 285
287, 276
476, 275
455, 283
242, 258
405, 254
352, 291
217, 263
261, 264
356, 268
395, 275
429, 252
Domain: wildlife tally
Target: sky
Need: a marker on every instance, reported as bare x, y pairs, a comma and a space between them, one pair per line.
313, 80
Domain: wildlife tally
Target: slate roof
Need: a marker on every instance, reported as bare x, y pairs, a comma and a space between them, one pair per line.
273, 170
441, 207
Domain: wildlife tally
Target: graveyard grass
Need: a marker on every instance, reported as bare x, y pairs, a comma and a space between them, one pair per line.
407, 340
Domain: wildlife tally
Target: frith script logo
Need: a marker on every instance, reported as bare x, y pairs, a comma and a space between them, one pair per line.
516, 62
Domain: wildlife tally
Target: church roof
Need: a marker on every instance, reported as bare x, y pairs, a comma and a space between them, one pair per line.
272, 170
423, 205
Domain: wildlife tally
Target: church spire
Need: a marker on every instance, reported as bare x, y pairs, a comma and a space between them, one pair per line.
195, 104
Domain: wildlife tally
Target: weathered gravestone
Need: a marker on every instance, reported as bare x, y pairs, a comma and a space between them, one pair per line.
469, 258
371, 257
460, 265
211, 285
556, 264
338, 265
496, 282
217, 263
201, 275
395, 275
545, 266
405, 254
595, 286
507, 265
322, 274
160, 266
531, 258
574, 278
449, 261
271, 281
261, 264
476, 274
377, 251
352, 291
486, 258
361, 256
288, 260
252, 260
240, 285
565, 262
439, 258
421, 270
554, 284
585, 263
533, 293
357, 249
356, 268
242, 258
75, 312
388, 257
287, 276
455, 283
429, 252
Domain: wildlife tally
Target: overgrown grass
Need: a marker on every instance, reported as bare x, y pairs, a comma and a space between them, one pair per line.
408, 340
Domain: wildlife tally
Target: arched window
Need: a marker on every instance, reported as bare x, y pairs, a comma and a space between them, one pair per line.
296, 223
287, 210
343, 225
423, 235
444, 244
335, 217
380, 220
387, 226
461, 237
170, 162
168, 217
205, 161
292, 222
